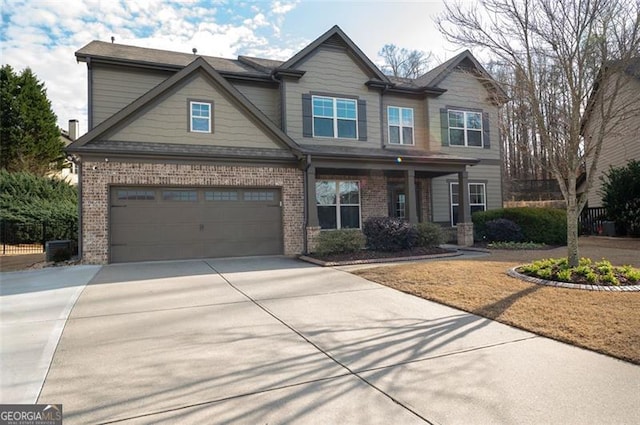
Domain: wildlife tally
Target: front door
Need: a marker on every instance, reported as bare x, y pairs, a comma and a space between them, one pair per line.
397, 200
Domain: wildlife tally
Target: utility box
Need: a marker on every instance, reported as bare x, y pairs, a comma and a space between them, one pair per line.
58, 250
608, 228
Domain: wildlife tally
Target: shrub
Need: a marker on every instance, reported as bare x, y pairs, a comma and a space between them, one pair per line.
621, 196
540, 225
503, 230
600, 273
339, 241
389, 234
429, 235
30, 200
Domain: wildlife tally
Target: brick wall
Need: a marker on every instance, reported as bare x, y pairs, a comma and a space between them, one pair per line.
374, 197
97, 177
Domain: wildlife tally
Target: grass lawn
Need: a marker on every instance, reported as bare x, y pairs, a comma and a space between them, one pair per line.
606, 322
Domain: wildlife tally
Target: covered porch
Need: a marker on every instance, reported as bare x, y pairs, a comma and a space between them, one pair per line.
342, 191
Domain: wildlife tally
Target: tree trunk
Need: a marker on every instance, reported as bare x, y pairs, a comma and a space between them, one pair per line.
572, 232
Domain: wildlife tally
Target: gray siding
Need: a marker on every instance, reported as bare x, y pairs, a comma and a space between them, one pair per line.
335, 72
116, 87
490, 175
267, 99
168, 120
464, 90
621, 142
419, 119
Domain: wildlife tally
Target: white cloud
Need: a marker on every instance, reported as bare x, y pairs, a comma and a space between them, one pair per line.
44, 34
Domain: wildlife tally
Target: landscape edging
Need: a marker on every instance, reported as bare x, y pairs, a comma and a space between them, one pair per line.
621, 288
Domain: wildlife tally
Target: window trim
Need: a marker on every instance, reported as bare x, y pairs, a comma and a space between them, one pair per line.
338, 205
465, 129
191, 103
335, 117
451, 204
400, 126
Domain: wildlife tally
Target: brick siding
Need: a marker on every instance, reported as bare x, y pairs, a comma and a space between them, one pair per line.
374, 200
97, 177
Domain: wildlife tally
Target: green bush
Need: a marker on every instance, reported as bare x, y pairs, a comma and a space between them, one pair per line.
502, 230
600, 273
339, 241
25, 197
30, 200
429, 235
389, 234
540, 225
621, 197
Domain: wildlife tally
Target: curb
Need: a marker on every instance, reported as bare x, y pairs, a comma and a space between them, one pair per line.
376, 260
602, 288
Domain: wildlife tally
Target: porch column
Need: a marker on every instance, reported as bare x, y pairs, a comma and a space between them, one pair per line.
464, 225
464, 210
410, 196
312, 208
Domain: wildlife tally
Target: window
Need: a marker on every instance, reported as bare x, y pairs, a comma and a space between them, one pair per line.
200, 117
338, 204
180, 195
335, 117
465, 128
136, 195
221, 196
400, 125
477, 199
258, 196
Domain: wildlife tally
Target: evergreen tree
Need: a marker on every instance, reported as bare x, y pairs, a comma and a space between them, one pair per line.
29, 136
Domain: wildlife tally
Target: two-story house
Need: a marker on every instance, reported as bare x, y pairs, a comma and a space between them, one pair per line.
193, 156
620, 140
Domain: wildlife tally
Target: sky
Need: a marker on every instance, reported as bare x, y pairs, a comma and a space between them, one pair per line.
45, 34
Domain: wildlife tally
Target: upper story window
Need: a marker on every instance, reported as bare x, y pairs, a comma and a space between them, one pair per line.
465, 128
335, 117
400, 125
200, 117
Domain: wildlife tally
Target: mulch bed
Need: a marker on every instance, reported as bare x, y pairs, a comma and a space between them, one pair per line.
372, 255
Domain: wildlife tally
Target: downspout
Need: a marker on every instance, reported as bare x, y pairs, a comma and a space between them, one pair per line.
386, 87
78, 163
89, 95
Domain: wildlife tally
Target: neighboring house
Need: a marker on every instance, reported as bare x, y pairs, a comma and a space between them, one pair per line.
193, 156
621, 142
69, 172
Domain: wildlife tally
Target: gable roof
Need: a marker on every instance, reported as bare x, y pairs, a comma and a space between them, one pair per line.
465, 59
335, 36
121, 53
199, 64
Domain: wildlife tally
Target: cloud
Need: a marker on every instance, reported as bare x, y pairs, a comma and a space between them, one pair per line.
44, 35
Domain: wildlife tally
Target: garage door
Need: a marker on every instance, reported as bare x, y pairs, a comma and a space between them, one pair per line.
166, 223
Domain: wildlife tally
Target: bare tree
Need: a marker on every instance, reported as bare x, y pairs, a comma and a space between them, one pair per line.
559, 50
401, 62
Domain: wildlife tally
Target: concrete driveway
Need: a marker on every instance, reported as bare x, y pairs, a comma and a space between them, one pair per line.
34, 306
273, 340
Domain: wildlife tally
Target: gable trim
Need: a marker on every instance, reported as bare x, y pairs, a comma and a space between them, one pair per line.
449, 66
176, 80
352, 47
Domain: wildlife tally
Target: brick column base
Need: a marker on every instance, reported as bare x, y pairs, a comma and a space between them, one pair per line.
465, 234
313, 232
